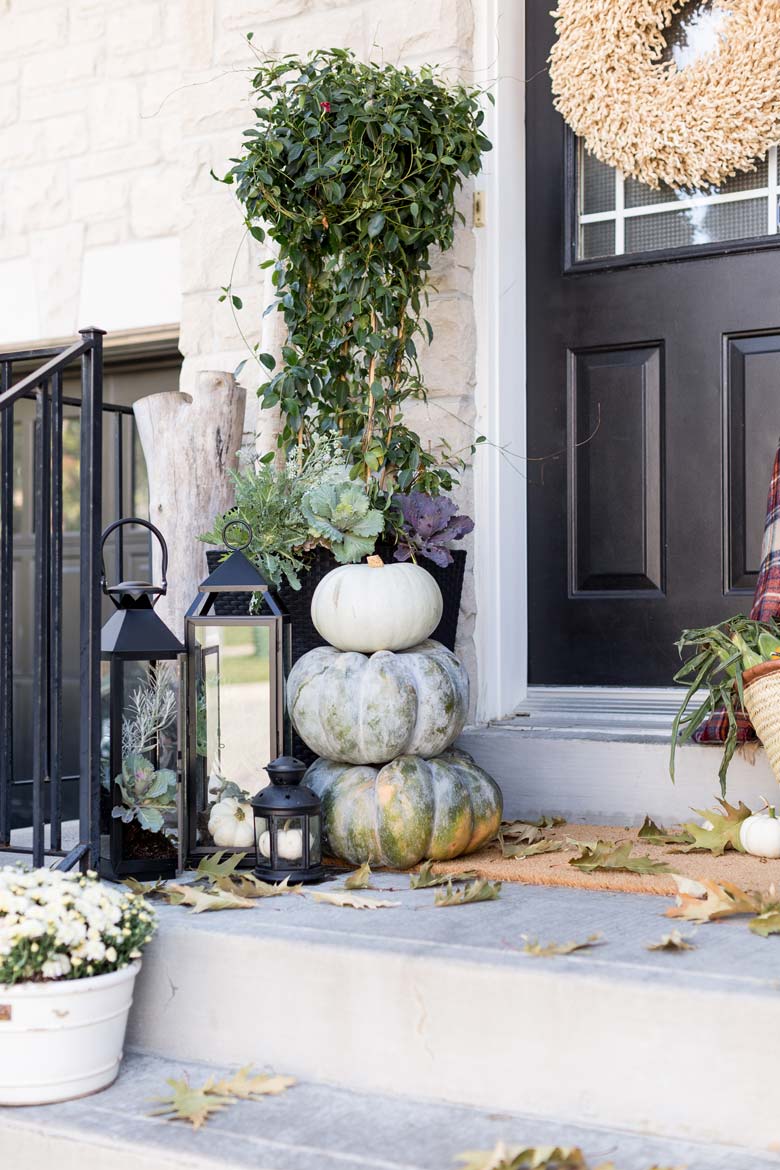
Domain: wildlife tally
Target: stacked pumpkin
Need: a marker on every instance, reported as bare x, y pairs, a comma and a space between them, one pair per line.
382, 705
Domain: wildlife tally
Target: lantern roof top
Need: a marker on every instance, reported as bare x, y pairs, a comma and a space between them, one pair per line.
138, 633
235, 573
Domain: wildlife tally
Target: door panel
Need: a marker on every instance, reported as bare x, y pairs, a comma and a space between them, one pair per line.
653, 409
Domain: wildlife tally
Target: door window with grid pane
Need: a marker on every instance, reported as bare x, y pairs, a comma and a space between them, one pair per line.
617, 216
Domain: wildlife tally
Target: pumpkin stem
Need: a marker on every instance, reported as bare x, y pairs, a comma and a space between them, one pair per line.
375, 562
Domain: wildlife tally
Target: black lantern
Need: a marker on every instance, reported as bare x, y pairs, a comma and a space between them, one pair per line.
237, 663
140, 675
288, 826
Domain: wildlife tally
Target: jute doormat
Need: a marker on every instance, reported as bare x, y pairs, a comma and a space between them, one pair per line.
553, 869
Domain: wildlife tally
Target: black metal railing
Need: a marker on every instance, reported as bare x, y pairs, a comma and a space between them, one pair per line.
45, 387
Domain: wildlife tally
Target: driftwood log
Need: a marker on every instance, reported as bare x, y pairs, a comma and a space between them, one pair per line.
190, 442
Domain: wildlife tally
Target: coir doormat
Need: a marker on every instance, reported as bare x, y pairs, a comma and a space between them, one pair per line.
553, 869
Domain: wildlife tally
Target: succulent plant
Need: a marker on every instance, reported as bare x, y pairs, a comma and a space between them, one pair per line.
429, 523
341, 514
146, 793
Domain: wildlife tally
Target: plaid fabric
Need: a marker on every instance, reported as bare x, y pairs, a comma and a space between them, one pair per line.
766, 604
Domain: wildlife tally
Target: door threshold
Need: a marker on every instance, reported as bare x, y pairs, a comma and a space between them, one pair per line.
621, 713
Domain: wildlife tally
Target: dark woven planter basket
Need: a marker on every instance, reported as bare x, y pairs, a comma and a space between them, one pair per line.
297, 602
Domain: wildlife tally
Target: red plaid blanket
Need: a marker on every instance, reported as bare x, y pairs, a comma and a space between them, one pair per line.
766, 604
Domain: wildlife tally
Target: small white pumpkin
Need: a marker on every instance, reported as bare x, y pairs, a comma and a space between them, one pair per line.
289, 845
376, 606
760, 834
231, 824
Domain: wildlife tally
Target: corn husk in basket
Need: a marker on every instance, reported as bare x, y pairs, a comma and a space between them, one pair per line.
762, 703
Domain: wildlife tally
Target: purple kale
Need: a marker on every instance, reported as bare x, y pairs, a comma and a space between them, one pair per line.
429, 522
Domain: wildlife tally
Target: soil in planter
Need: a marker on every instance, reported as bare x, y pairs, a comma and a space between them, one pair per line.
139, 844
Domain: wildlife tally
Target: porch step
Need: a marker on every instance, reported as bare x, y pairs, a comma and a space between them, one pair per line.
311, 1127
443, 1004
608, 772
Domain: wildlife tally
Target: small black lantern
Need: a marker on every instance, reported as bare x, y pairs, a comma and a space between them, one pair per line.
140, 684
237, 664
288, 826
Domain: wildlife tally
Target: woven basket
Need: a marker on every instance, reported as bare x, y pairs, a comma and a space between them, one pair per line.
762, 703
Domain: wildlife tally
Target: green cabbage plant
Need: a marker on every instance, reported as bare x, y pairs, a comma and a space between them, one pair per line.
341, 514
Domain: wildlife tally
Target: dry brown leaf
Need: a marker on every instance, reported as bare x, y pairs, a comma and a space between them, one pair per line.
220, 864
504, 1157
480, 890
186, 1103
611, 855
673, 941
247, 1086
521, 852
426, 878
202, 900
719, 901
246, 885
360, 879
519, 832
547, 950
352, 899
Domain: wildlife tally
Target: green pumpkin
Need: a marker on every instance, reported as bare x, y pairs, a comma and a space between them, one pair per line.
407, 811
369, 709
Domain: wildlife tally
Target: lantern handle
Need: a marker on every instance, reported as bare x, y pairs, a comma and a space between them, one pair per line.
162, 589
237, 523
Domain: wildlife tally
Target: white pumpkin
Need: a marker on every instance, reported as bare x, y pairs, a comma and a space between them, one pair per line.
376, 606
289, 844
232, 824
760, 834
360, 709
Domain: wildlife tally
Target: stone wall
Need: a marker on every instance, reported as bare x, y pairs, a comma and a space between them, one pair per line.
112, 116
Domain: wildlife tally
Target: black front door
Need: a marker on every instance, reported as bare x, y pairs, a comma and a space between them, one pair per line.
653, 399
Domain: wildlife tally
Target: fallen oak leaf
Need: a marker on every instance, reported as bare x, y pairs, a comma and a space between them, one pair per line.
186, 1103
426, 878
480, 890
360, 879
504, 1157
202, 900
653, 834
352, 899
245, 1085
673, 941
546, 951
521, 852
520, 832
767, 922
156, 889
545, 822
220, 864
246, 885
613, 855
720, 830
719, 901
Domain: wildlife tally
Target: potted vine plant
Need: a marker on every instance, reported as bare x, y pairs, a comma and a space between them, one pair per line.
737, 664
352, 170
70, 949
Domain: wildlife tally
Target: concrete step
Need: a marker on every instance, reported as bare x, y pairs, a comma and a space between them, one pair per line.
609, 774
443, 1004
311, 1127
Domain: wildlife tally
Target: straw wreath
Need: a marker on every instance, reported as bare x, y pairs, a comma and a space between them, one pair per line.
688, 127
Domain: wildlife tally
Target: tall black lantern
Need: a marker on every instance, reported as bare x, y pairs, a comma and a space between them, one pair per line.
288, 826
140, 677
237, 663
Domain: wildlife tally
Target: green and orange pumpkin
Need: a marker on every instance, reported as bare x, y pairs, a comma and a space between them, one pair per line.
408, 810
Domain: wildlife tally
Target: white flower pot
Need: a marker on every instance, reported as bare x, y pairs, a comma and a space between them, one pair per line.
63, 1038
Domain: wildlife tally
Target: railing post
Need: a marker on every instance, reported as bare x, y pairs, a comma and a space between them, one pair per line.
40, 663
91, 481
6, 607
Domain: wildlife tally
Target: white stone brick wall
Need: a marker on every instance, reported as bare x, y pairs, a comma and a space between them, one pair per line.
112, 115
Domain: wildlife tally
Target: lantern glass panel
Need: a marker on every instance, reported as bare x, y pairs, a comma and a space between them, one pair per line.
236, 694
139, 749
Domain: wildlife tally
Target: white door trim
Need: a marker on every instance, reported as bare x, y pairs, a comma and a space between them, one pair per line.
499, 302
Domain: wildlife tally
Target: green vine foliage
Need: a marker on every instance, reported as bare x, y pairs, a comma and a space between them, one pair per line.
352, 169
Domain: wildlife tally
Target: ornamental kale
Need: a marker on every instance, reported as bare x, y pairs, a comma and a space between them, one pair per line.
342, 515
145, 793
429, 522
